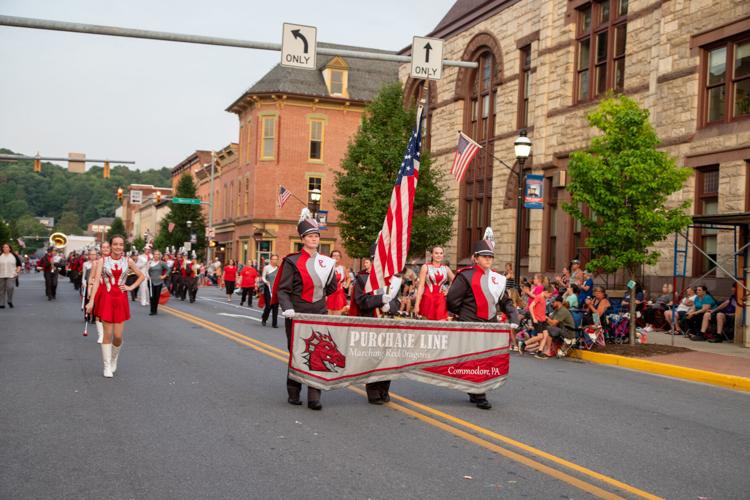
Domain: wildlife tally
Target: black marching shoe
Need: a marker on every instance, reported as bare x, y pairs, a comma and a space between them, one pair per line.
386, 397
697, 338
472, 398
314, 405
375, 401
483, 404
10, 304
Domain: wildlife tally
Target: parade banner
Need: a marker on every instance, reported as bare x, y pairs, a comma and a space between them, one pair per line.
329, 352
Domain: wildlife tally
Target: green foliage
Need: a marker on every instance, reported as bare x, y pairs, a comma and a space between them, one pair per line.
55, 190
139, 243
117, 227
5, 233
69, 223
625, 182
363, 188
179, 215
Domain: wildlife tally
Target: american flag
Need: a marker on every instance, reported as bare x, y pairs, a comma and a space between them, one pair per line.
465, 152
284, 195
394, 238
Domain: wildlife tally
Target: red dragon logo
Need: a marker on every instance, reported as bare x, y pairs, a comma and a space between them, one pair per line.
322, 354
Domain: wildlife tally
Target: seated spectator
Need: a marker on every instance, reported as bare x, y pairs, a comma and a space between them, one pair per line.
695, 322
560, 325
682, 309
655, 310
721, 312
538, 311
571, 296
596, 307
639, 299
585, 286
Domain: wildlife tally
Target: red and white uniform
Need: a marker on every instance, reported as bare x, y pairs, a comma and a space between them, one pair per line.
337, 300
111, 303
433, 304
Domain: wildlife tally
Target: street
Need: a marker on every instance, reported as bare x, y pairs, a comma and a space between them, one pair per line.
197, 409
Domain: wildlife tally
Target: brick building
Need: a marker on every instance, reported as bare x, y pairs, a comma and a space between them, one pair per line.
543, 65
135, 196
294, 128
195, 162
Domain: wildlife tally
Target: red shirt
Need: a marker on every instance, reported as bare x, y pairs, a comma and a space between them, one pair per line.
230, 273
249, 275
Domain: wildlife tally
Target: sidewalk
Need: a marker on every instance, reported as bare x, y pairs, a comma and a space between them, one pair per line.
724, 364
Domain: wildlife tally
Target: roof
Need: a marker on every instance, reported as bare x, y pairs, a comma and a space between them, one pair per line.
103, 221
366, 77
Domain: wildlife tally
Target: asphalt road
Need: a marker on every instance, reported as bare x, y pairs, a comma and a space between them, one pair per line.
198, 409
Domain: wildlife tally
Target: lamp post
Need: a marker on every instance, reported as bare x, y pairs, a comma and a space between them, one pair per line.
315, 205
522, 148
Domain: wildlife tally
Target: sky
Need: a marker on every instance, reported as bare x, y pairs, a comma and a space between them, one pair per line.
156, 102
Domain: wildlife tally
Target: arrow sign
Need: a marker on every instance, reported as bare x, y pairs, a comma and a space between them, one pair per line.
297, 34
295, 54
426, 58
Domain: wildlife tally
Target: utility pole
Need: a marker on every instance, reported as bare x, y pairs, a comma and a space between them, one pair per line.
211, 207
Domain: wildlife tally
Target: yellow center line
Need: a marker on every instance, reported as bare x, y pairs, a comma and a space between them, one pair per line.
283, 356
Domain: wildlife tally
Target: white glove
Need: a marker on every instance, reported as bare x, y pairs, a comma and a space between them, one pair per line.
513, 326
394, 289
288, 313
386, 307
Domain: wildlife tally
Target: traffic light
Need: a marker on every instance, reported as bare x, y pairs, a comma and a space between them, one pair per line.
105, 172
119, 194
37, 165
158, 196
212, 243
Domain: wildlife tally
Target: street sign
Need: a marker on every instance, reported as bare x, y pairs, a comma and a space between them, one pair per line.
426, 58
136, 197
186, 201
298, 46
187, 246
210, 232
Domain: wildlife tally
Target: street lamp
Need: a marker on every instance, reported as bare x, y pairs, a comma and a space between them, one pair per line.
522, 148
189, 223
315, 199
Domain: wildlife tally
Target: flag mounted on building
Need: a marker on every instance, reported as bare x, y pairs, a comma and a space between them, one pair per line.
284, 195
465, 152
392, 245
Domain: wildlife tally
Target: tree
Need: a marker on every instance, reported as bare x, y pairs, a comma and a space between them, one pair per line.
5, 231
363, 187
139, 243
625, 183
69, 223
117, 228
179, 216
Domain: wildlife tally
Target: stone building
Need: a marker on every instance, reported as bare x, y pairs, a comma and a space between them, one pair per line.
294, 128
543, 65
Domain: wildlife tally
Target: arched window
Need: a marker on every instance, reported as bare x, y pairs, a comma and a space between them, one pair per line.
414, 93
479, 123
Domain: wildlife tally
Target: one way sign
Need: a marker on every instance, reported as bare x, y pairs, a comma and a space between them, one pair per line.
426, 58
298, 46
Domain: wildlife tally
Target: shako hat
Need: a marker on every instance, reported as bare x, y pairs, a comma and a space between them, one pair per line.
307, 225
485, 246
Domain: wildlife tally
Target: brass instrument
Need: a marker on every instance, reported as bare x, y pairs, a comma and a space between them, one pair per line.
58, 240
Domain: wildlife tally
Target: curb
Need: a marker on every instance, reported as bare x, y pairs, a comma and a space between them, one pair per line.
674, 371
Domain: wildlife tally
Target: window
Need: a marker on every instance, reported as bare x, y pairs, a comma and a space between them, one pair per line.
524, 87
706, 203
313, 183
337, 82
476, 197
269, 138
316, 140
551, 224
726, 80
601, 38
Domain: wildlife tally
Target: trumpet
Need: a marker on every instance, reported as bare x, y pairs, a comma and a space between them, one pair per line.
58, 240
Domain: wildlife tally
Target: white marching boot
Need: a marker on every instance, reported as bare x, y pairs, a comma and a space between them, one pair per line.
106, 359
100, 332
115, 354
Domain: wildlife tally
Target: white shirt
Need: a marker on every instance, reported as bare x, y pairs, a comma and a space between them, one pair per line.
7, 266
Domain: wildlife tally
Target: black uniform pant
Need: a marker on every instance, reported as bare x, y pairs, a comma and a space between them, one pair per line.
293, 388
247, 293
75, 278
270, 310
155, 293
191, 287
174, 284
50, 284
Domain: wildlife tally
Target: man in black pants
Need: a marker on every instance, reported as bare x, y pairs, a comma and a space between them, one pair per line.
305, 280
47, 264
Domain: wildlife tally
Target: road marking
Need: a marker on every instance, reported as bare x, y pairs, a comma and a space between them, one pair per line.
238, 316
224, 302
283, 356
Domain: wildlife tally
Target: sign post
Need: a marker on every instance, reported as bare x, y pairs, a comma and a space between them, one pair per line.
299, 46
426, 58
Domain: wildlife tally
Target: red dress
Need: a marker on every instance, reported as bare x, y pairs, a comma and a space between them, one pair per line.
337, 300
112, 303
434, 305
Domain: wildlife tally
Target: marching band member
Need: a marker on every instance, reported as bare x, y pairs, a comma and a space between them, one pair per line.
336, 302
270, 272
305, 279
114, 307
366, 304
96, 271
476, 294
142, 263
157, 272
433, 277
48, 264
85, 277
192, 268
